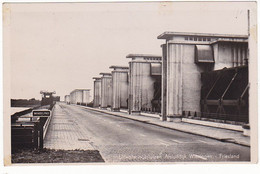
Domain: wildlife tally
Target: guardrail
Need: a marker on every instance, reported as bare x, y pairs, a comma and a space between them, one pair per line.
46, 125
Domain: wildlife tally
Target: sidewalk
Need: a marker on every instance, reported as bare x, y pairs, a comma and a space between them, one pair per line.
64, 133
220, 134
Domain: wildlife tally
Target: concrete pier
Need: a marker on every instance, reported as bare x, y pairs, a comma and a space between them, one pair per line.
97, 92
185, 57
142, 82
106, 90
119, 87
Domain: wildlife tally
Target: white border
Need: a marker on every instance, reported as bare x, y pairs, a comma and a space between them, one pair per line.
173, 168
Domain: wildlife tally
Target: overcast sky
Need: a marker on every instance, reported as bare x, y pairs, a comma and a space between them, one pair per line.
62, 46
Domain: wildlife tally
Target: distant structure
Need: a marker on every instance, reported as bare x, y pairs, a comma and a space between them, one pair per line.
67, 99
47, 97
80, 96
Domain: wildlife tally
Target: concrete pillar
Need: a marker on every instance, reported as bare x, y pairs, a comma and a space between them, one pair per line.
174, 82
106, 90
97, 92
141, 82
164, 82
119, 87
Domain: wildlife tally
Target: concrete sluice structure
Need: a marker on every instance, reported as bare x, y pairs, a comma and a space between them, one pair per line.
97, 92
119, 87
144, 79
80, 96
67, 99
106, 90
185, 57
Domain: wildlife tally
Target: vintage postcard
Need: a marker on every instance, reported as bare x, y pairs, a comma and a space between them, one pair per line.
130, 83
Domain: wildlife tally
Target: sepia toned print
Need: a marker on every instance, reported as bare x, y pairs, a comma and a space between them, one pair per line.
168, 82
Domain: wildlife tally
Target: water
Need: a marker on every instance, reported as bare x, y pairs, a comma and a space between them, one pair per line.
18, 109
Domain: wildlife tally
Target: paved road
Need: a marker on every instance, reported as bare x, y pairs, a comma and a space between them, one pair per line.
123, 140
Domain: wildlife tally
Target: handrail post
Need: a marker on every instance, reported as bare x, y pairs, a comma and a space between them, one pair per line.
41, 133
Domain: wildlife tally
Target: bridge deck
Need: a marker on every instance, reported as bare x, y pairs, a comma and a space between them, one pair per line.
64, 132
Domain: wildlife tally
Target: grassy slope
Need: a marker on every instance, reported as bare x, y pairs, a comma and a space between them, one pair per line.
56, 156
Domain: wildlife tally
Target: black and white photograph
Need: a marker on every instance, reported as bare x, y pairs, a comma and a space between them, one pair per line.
130, 83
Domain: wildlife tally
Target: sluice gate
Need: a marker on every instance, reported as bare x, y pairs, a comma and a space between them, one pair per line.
224, 94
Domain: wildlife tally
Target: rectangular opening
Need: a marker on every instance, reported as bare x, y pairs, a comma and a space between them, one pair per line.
204, 54
156, 69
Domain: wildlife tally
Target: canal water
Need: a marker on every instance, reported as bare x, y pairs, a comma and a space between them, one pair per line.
17, 109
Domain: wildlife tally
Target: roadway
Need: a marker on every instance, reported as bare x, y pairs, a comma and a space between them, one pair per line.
123, 140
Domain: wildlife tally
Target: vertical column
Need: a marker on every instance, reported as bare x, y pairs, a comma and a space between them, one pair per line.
97, 92
86, 96
164, 82
124, 89
174, 82
106, 90
135, 87
115, 91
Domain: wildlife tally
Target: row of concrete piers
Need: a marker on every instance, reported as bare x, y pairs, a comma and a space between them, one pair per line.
132, 87
200, 73
169, 84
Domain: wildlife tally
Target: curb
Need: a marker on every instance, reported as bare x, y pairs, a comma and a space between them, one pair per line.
228, 140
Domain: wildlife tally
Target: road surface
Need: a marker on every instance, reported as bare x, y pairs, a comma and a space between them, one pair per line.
123, 140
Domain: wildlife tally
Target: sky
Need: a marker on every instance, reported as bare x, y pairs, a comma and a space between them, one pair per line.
62, 46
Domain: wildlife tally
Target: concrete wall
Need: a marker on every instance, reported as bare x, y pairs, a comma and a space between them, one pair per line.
86, 97
79, 97
72, 97
228, 54
191, 83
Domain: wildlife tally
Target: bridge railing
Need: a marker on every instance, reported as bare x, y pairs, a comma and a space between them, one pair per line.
29, 134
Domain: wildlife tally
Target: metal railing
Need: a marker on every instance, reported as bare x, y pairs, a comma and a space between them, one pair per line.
225, 118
